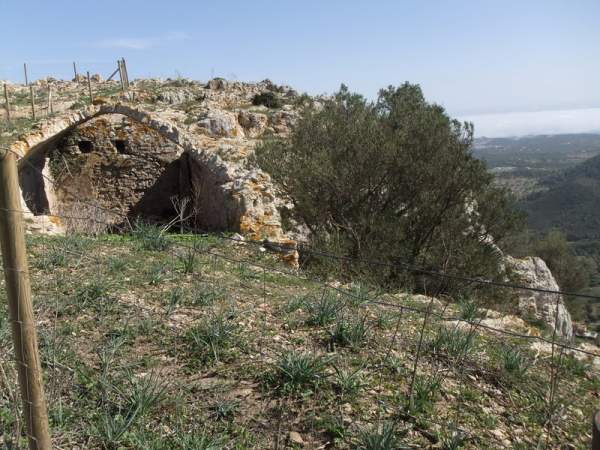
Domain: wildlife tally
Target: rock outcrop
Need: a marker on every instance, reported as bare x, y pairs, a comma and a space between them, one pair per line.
545, 307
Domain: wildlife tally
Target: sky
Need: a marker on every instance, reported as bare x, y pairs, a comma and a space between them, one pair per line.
512, 67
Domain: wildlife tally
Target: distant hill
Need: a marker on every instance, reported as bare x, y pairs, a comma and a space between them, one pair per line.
570, 202
521, 163
537, 152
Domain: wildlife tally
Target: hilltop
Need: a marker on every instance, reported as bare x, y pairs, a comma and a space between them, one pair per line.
156, 337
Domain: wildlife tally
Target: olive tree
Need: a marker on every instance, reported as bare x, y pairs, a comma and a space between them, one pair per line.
391, 181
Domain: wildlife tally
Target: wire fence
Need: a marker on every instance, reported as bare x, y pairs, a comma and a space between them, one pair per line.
24, 104
294, 358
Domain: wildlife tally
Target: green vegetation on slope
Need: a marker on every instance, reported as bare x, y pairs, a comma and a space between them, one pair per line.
144, 346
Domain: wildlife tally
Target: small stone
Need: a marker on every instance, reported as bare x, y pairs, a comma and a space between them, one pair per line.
296, 438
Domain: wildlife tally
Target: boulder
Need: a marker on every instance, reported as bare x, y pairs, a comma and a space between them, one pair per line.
254, 124
217, 84
219, 123
546, 307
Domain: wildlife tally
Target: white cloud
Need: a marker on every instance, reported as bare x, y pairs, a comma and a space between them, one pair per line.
128, 43
540, 122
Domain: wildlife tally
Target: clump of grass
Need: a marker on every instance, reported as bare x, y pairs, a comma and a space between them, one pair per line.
426, 391
294, 304
384, 437
141, 395
116, 263
323, 310
205, 294
514, 363
157, 273
94, 291
150, 237
296, 371
468, 309
212, 337
173, 299
453, 342
351, 333
348, 382
225, 410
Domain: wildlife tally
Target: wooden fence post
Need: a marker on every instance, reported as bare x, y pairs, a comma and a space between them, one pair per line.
124, 66
25, 70
75, 72
32, 102
121, 76
90, 89
6, 103
596, 431
50, 109
18, 291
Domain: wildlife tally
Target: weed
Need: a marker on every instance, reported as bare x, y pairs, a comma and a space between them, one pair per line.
383, 437
294, 304
323, 310
205, 294
116, 264
225, 410
94, 291
213, 336
453, 438
453, 342
150, 237
425, 393
157, 273
173, 300
468, 309
514, 363
297, 371
348, 383
351, 333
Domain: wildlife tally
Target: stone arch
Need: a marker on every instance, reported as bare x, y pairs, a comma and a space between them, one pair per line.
229, 196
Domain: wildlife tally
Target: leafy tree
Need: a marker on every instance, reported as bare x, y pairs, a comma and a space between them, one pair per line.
392, 181
572, 272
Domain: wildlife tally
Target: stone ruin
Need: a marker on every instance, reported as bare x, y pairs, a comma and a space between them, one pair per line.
112, 163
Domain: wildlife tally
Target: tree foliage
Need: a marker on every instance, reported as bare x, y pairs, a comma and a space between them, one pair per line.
392, 181
572, 272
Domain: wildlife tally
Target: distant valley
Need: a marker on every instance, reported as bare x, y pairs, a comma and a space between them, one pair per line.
557, 182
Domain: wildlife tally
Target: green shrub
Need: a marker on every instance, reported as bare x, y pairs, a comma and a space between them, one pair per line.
268, 99
388, 181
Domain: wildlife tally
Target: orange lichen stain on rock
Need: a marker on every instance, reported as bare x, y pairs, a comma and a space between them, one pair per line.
55, 220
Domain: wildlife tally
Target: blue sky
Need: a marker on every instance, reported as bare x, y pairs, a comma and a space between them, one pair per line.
476, 58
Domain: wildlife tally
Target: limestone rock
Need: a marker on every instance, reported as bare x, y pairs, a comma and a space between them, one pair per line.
220, 123
254, 124
218, 84
543, 306
175, 96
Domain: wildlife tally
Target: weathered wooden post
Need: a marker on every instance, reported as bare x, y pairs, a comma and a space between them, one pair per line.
32, 101
75, 72
6, 103
20, 308
596, 431
50, 109
121, 76
25, 70
90, 88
